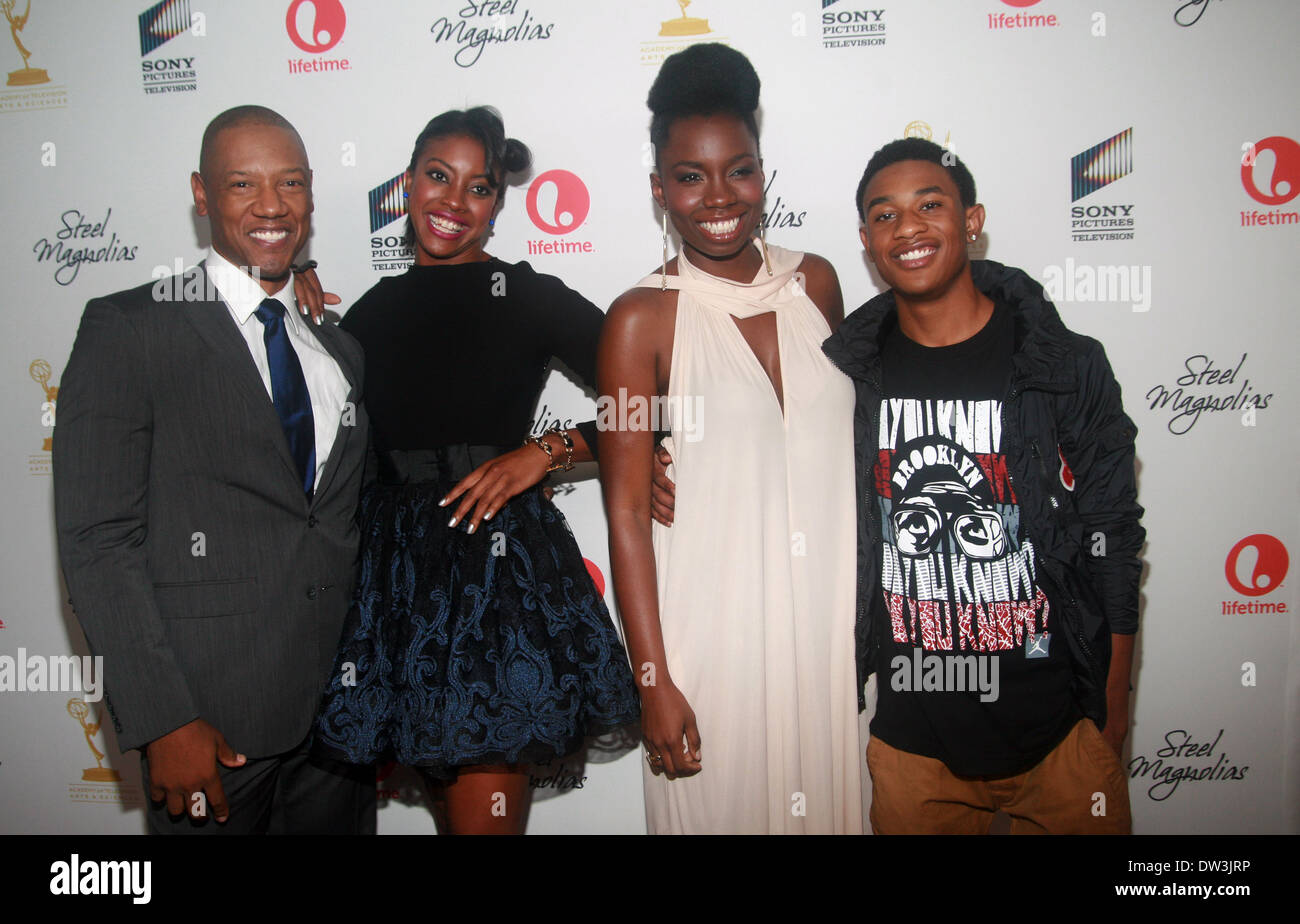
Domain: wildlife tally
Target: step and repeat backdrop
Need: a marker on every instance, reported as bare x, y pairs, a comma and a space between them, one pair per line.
1140, 158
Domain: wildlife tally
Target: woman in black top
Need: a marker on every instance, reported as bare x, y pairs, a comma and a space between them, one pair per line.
478, 641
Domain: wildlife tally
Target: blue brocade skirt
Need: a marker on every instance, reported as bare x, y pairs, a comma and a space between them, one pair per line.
463, 649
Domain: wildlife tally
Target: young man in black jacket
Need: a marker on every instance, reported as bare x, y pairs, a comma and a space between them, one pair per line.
998, 530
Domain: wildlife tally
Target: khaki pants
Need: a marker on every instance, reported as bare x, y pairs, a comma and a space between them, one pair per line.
1078, 788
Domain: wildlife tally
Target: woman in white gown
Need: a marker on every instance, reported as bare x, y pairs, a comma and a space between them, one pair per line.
739, 619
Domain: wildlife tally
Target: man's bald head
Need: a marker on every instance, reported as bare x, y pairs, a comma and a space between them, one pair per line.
237, 117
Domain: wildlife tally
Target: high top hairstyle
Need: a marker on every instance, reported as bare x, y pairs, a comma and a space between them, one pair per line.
704, 79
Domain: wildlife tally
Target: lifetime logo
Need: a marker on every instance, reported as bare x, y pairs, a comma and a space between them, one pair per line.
1270, 174
315, 26
1256, 566
1276, 162
558, 203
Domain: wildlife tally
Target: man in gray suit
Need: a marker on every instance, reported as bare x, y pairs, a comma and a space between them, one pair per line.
207, 464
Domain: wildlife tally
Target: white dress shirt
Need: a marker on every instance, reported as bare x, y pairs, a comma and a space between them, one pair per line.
325, 380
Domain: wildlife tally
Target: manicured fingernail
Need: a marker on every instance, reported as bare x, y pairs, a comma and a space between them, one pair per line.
487, 516
320, 320
471, 528
451, 522
443, 502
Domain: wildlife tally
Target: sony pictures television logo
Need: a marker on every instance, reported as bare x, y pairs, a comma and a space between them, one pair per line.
843, 27
390, 250
1094, 169
171, 71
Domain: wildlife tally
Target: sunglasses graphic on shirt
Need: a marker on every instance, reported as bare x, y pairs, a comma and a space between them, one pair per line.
946, 508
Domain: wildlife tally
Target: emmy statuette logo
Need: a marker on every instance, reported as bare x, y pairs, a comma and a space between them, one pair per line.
685, 25
28, 76
675, 34
39, 461
40, 372
78, 709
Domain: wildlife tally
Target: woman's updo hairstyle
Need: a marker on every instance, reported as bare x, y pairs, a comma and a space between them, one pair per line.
501, 155
703, 80
482, 123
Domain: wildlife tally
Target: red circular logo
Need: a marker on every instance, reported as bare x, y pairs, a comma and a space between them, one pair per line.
558, 202
1020, 3
317, 28
1256, 565
1283, 184
596, 577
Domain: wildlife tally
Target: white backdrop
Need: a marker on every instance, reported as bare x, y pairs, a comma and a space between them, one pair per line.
102, 130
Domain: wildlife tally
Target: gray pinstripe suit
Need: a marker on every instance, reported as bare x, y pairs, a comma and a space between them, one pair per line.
165, 431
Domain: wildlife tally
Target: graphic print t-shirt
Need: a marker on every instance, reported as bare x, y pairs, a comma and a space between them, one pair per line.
973, 670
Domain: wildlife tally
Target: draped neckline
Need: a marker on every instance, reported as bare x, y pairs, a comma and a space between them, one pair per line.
738, 299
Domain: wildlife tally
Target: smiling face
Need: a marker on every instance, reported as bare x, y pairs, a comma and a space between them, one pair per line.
916, 228
256, 193
710, 182
451, 201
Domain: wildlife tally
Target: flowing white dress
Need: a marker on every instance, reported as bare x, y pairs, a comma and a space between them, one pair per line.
756, 577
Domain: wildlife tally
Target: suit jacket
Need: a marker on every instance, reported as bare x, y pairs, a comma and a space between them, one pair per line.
197, 567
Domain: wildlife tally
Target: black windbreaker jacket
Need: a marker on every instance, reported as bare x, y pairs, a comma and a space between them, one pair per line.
1062, 396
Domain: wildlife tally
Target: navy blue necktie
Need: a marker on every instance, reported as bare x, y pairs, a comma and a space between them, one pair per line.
289, 392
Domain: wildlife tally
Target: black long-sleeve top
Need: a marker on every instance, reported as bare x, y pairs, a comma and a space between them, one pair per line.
458, 353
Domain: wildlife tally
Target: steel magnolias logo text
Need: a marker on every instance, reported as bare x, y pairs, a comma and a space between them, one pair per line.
1185, 759
81, 239
476, 25
1208, 387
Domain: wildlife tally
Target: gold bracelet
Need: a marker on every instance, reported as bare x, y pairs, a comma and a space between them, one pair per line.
544, 447
568, 443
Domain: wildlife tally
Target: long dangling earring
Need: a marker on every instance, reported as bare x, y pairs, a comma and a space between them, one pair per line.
663, 270
762, 240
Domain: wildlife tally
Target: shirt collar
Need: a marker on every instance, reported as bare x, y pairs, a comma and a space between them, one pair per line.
242, 293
